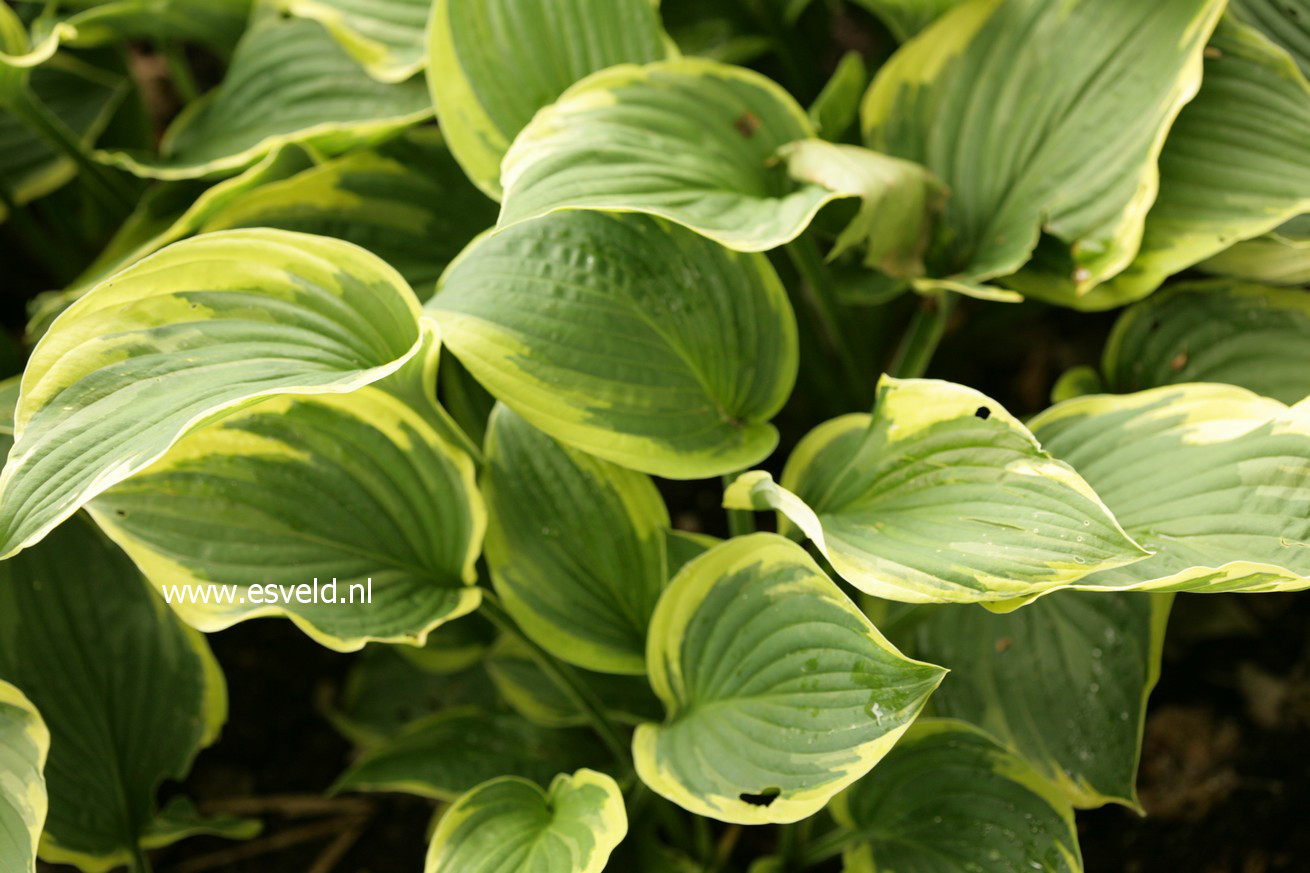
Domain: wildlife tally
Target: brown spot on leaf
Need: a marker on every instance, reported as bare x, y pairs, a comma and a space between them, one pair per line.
747, 124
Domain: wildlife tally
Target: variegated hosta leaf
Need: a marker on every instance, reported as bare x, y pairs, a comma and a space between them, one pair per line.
289, 81
941, 495
778, 691
360, 491
1213, 479
1064, 682
385, 693
451, 752
689, 140
83, 98
1281, 257
537, 696
494, 63
1103, 112
203, 326
950, 798
407, 202
213, 23
905, 18
24, 744
510, 825
837, 108
898, 201
575, 546
385, 36
167, 213
1236, 164
1286, 22
626, 337
1215, 331
94, 649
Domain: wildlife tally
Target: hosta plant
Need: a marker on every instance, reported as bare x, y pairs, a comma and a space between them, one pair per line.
565, 361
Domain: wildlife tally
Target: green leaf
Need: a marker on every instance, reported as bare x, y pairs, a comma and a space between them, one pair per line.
511, 826
537, 697
1076, 154
494, 63
1236, 164
837, 107
941, 495
82, 97
1213, 479
1215, 331
950, 798
451, 752
385, 692
360, 492
689, 140
289, 81
217, 24
1286, 22
575, 546
94, 650
1064, 682
779, 691
385, 36
627, 338
905, 18
202, 327
179, 819
407, 202
898, 201
1281, 257
166, 213
24, 745
455, 646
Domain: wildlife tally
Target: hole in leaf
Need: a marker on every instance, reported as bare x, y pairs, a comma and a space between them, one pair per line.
764, 798
983, 412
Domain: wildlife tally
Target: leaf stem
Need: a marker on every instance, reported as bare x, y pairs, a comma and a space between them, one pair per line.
923, 336
829, 845
139, 863
565, 677
740, 521
179, 69
107, 187
819, 294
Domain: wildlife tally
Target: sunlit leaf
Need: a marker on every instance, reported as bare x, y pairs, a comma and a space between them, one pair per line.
511, 826
385, 36
24, 745
203, 326
778, 691
626, 337
496, 62
941, 495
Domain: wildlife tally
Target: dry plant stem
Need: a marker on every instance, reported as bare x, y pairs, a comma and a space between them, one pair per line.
273, 843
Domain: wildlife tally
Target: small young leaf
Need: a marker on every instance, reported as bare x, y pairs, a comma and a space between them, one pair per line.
779, 692
626, 337
24, 745
940, 496
951, 798
510, 825
575, 546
